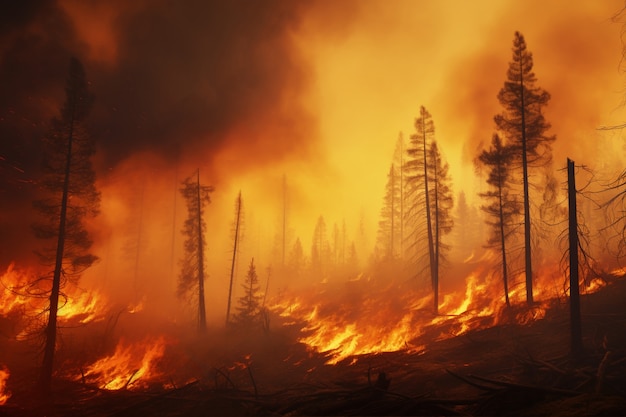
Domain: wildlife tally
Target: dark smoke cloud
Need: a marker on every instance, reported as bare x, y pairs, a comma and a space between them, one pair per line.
186, 77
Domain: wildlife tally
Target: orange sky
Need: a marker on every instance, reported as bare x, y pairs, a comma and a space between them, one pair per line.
451, 57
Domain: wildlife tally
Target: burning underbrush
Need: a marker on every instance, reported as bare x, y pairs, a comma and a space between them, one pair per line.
346, 332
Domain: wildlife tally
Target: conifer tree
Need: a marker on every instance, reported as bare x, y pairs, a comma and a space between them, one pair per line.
192, 276
501, 207
442, 203
419, 210
523, 124
389, 225
249, 308
320, 248
70, 196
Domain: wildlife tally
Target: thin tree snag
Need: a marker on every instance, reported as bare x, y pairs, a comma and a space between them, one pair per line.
575, 320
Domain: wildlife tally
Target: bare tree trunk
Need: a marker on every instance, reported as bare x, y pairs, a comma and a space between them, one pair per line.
201, 305
574, 293
232, 266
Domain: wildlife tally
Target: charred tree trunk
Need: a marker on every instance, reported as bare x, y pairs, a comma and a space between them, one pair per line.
232, 266
574, 292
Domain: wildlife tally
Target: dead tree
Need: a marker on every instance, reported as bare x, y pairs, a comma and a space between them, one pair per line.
574, 291
238, 208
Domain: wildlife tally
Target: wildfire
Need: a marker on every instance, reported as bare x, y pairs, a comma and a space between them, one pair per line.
375, 320
23, 292
132, 366
4, 394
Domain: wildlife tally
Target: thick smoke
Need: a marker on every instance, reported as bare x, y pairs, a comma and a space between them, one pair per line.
183, 80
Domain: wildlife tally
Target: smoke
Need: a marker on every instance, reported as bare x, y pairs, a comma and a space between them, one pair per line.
576, 57
187, 81
248, 91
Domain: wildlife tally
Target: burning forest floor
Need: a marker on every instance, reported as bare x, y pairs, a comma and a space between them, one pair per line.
502, 369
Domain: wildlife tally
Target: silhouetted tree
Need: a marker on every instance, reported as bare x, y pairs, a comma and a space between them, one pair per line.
418, 192
467, 231
524, 126
297, 261
320, 248
191, 279
441, 216
236, 238
502, 207
70, 196
249, 309
390, 224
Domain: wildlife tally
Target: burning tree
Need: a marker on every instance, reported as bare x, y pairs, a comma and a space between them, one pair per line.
70, 197
191, 279
501, 207
524, 126
249, 309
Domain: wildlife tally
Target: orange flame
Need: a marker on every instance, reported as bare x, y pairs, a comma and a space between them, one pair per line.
4, 394
21, 292
131, 366
393, 319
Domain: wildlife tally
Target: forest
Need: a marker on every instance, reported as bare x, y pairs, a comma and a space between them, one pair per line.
312, 208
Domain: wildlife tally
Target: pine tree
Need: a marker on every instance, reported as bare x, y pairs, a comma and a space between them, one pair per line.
441, 216
320, 249
502, 208
467, 228
296, 261
419, 210
524, 126
390, 223
249, 308
191, 278
71, 196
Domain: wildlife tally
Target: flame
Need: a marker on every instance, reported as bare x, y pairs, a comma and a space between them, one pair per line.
22, 292
342, 334
4, 376
376, 320
13, 298
131, 366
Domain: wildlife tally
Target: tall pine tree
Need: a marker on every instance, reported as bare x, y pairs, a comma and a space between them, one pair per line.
419, 210
441, 216
523, 124
191, 279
